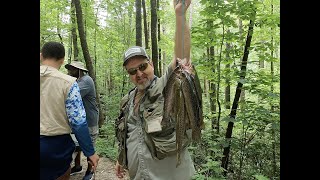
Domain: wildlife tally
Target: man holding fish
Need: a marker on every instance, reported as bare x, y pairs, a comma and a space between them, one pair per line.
147, 141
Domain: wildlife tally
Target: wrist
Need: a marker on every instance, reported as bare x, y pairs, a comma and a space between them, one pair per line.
180, 17
180, 14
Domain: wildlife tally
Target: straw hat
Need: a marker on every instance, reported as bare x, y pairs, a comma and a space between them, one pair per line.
76, 64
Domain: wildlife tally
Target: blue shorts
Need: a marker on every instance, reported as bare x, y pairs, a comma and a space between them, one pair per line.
55, 155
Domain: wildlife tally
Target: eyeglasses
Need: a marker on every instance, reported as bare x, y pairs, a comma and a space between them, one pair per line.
141, 67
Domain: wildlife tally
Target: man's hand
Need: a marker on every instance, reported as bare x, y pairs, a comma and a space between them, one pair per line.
181, 9
93, 160
119, 171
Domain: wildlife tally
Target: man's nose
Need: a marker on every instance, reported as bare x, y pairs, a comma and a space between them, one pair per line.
139, 73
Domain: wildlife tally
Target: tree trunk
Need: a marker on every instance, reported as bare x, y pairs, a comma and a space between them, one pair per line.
227, 89
59, 29
205, 87
243, 94
212, 86
218, 84
212, 97
154, 42
87, 57
160, 63
164, 67
138, 24
74, 32
233, 112
146, 33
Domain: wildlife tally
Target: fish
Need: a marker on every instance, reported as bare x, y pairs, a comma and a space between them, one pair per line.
183, 105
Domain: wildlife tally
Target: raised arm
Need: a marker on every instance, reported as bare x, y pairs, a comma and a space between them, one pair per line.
182, 34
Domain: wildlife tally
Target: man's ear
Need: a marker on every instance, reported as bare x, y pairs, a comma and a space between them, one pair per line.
150, 62
61, 61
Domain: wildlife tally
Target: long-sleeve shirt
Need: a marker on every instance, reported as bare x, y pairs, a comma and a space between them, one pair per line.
77, 119
88, 94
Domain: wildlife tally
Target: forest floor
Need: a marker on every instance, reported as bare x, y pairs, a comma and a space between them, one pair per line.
104, 171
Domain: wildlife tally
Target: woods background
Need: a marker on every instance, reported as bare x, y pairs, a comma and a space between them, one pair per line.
235, 49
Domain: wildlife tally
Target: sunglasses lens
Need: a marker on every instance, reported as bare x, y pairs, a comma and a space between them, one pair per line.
143, 66
132, 71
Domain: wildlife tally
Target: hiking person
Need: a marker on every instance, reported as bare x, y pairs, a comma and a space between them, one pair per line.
61, 112
88, 94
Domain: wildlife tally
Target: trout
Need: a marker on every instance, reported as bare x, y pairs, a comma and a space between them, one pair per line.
183, 105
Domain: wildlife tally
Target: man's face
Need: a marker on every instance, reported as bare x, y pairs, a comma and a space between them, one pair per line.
72, 71
141, 72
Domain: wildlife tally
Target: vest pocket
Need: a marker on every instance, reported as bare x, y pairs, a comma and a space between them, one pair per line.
161, 144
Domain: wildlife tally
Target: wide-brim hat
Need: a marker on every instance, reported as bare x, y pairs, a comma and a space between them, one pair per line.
134, 51
76, 64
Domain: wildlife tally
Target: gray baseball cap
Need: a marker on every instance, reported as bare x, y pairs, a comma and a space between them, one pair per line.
134, 51
76, 64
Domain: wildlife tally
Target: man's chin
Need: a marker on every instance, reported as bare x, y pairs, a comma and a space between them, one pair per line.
144, 86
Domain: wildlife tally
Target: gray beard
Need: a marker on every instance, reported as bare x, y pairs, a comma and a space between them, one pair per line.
144, 86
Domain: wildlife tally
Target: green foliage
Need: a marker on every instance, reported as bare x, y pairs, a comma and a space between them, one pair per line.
105, 143
211, 170
110, 29
260, 177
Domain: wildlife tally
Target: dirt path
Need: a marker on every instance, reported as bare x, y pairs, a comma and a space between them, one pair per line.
105, 169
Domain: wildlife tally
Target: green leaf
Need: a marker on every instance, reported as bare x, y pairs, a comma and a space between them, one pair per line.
228, 119
242, 81
261, 177
268, 127
245, 122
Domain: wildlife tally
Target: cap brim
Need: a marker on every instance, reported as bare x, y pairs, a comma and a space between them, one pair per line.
67, 66
131, 56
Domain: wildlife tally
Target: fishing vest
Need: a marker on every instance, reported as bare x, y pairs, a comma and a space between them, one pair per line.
161, 143
54, 89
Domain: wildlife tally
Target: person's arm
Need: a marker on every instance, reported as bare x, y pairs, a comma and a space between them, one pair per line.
77, 120
182, 34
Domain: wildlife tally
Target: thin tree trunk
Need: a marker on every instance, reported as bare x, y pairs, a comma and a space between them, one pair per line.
164, 67
212, 86
212, 89
59, 29
154, 42
160, 63
205, 87
233, 112
242, 149
227, 89
74, 32
243, 94
146, 33
87, 57
212, 97
218, 84
95, 39
138, 24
